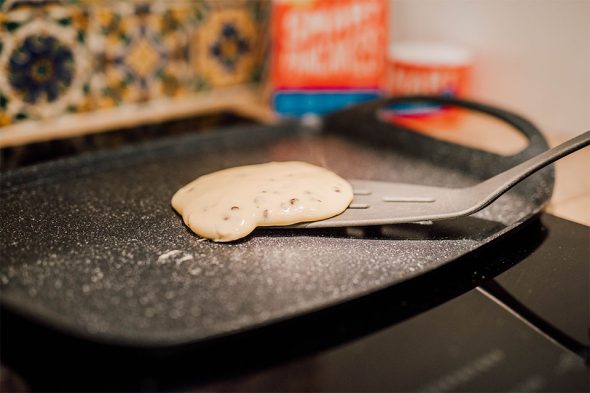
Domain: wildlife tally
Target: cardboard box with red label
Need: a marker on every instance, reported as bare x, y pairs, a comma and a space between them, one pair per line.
327, 53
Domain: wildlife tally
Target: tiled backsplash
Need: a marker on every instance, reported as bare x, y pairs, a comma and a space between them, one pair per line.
82, 64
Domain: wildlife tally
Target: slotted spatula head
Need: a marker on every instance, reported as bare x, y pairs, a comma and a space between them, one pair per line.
381, 203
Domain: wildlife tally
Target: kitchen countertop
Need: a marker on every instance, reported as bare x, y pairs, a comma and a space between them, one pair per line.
571, 199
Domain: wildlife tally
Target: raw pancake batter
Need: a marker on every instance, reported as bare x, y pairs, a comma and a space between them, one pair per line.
228, 204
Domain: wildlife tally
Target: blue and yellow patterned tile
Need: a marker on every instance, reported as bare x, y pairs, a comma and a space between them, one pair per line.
141, 50
72, 56
226, 43
44, 64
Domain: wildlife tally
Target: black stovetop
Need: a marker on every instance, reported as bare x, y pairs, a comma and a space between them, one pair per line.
515, 317
525, 330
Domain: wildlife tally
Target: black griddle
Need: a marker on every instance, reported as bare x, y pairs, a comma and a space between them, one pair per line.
438, 331
91, 247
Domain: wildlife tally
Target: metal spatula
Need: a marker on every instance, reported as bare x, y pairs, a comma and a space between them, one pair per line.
381, 203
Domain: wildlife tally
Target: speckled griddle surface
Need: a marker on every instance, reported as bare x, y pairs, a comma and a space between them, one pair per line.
92, 246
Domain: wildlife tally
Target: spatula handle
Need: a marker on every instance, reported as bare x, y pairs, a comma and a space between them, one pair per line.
490, 189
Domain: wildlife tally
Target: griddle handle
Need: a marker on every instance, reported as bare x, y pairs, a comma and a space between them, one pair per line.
536, 140
364, 118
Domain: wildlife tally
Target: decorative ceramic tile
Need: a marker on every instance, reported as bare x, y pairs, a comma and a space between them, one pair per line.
141, 51
227, 45
44, 65
109, 58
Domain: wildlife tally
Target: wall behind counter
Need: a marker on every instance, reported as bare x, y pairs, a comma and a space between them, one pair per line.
532, 56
